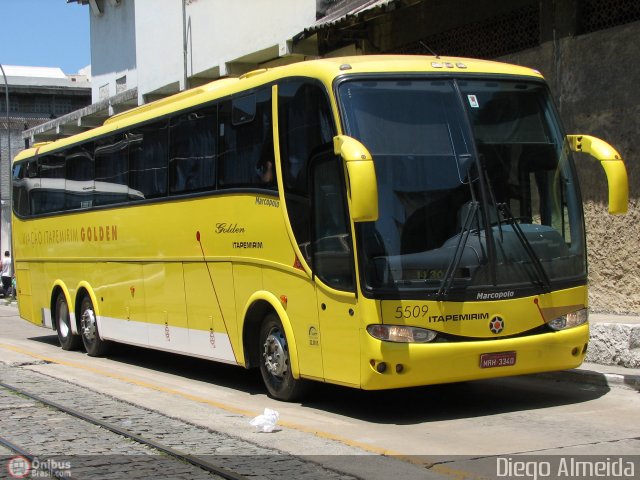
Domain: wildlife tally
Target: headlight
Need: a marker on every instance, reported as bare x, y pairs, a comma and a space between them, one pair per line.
570, 320
401, 333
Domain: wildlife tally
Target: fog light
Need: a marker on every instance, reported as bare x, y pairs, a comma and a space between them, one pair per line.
381, 367
570, 320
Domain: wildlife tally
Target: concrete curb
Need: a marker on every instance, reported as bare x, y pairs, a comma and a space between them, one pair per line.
599, 376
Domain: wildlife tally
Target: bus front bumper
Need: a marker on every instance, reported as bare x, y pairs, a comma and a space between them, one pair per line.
396, 365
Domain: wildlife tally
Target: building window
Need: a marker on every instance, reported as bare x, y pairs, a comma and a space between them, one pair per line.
121, 84
103, 92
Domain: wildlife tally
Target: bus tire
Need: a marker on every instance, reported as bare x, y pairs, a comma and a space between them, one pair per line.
93, 344
275, 362
68, 340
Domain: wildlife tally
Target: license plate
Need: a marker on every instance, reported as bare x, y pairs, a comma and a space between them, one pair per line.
500, 359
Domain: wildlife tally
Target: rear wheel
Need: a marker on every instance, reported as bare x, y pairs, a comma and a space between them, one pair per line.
275, 363
93, 344
66, 337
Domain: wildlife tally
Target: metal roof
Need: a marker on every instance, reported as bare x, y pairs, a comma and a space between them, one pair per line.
350, 10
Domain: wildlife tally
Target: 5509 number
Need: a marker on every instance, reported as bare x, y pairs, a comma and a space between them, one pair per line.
415, 311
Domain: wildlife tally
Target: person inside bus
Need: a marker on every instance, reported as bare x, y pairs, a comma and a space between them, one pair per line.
265, 168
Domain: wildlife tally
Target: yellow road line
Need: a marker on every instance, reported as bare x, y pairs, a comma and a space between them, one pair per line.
441, 469
195, 398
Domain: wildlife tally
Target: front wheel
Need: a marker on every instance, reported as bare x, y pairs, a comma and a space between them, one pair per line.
93, 344
66, 337
275, 363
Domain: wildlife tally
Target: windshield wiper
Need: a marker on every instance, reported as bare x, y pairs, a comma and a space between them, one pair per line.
449, 276
543, 278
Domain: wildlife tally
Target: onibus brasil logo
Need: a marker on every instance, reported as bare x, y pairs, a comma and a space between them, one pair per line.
21, 467
18, 467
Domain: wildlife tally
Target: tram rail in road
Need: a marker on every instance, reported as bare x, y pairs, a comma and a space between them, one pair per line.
230, 466
194, 460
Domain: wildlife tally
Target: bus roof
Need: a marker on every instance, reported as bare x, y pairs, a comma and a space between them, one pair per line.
326, 70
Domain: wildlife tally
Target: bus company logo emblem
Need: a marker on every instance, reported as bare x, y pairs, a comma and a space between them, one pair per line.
496, 325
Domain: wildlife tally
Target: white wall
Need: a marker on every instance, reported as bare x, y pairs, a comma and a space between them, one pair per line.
113, 48
221, 31
143, 40
226, 30
159, 45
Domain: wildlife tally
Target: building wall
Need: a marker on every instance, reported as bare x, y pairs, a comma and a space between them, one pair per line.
594, 79
159, 46
142, 40
237, 28
218, 33
113, 49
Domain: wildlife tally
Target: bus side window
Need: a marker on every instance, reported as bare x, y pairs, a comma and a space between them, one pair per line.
148, 159
112, 170
246, 142
332, 252
20, 189
80, 171
305, 125
192, 151
48, 194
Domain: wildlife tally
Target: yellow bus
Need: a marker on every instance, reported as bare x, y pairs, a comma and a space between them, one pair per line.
375, 222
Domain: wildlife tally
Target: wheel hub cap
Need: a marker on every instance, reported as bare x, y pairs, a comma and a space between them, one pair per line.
275, 357
89, 324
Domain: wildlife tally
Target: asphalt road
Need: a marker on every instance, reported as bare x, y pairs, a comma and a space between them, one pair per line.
447, 431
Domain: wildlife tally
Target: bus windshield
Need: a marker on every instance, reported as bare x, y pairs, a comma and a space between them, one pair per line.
477, 191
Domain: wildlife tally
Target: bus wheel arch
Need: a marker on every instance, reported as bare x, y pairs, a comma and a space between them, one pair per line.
86, 318
269, 344
251, 331
276, 361
61, 319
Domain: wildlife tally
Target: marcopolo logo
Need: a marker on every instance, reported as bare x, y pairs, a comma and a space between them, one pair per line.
495, 295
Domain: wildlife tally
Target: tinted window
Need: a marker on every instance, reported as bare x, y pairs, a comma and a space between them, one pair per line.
20, 190
47, 193
246, 149
305, 126
79, 185
332, 252
192, 151
244, 109
148, 159
112, 170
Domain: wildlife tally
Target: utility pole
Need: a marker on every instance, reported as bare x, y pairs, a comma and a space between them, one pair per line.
184, 43
6, 97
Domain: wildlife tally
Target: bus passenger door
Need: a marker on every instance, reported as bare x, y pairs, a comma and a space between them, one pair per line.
333, 267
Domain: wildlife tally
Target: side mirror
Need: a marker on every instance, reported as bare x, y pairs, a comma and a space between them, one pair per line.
363, 188
613, 166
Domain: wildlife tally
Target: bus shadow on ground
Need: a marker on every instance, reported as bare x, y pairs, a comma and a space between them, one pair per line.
454, 400
401, 406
